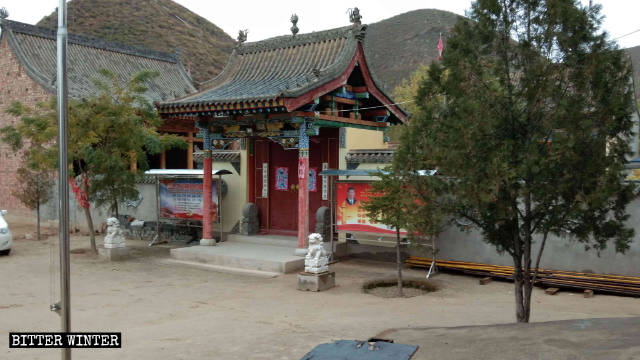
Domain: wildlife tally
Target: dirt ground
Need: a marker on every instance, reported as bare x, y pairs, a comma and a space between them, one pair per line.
176, 312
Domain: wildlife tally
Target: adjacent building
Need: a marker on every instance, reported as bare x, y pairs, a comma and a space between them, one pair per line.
28, 75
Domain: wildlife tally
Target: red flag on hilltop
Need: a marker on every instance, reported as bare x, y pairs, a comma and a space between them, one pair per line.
440, 47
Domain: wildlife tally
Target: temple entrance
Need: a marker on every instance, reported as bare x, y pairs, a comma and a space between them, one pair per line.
278, 202
283, 189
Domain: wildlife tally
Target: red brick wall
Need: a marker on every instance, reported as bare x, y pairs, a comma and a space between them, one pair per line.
15, 84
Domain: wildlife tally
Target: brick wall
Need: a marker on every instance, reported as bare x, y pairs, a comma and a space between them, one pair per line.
15, 84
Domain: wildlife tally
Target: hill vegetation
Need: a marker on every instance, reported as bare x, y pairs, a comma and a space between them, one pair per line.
161, 25
397, 46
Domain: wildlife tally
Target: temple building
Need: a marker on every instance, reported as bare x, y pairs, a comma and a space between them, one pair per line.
28, 75
281, 111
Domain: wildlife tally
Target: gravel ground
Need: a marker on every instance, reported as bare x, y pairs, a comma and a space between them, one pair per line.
176, 312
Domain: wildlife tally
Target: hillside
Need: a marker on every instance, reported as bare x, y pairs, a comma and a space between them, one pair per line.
395, 47
161, 25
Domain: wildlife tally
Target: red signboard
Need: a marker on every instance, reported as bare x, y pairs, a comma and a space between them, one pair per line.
351, 215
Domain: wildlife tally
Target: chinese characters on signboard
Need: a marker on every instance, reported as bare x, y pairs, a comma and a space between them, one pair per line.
351, 216
182, 199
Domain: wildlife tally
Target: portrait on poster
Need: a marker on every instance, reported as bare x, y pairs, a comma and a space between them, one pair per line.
351, 215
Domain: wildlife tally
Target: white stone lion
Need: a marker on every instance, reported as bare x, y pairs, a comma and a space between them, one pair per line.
115, 236
316, 260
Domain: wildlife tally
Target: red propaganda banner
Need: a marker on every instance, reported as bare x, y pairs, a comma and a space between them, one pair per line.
182, 199
351, 215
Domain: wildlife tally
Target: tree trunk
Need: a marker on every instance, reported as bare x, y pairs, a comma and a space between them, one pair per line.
38, 221
115, 209
92, 233
399, 262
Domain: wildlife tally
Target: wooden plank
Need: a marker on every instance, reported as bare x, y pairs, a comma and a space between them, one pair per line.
551, 291
341, 100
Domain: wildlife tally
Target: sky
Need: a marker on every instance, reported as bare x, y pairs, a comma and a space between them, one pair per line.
266, 19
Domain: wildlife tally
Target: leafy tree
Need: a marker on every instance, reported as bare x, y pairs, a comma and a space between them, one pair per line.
108, 134
405, 94
529, 118
390, 205
34, 189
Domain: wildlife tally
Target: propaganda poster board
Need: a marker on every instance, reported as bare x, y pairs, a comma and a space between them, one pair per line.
351, 216
181, 199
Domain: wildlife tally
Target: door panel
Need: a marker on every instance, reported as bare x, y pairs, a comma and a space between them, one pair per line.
283, 204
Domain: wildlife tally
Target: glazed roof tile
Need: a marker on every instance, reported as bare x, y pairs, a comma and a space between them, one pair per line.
35, 48
284, 66
370, 156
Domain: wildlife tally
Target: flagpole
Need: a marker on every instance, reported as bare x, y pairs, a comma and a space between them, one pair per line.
63, 216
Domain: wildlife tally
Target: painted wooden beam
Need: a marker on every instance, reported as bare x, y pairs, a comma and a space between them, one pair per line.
342, 119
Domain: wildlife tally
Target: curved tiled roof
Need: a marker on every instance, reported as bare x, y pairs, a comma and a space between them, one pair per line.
285, 66
35, 48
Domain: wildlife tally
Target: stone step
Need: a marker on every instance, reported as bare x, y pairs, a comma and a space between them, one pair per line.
274, 240
222, 269
243, 255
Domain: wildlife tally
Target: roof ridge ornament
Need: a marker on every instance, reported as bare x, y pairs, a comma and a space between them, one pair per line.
354, 16
294, 28
4, 13
242, 36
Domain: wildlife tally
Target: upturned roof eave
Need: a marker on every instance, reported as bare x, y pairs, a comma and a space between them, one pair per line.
41, 79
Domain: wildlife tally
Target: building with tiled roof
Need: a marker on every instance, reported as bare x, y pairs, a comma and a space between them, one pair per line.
28, 75
286, 72
293, 105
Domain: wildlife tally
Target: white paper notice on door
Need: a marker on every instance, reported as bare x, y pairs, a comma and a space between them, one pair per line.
325, 183
265, 180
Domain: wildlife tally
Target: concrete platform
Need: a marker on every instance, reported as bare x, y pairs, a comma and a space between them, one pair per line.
587, 339
262, 253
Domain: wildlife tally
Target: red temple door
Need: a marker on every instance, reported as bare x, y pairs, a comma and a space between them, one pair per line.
283, 189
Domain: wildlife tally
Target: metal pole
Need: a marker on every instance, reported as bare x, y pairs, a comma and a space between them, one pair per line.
65, 270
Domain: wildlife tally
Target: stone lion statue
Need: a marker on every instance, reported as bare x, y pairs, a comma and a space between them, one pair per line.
316, 260
316, 250
115, 236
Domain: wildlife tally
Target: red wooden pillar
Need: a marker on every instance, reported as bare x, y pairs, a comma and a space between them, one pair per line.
207, 233
303, 189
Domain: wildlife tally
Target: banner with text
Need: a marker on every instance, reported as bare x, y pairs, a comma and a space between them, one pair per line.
182, 199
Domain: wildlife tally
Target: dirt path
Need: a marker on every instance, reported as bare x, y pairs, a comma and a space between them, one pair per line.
174, 312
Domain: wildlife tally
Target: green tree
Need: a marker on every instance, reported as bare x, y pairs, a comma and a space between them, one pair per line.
405, 93
529, 118
33, 190
389, 205
110, 137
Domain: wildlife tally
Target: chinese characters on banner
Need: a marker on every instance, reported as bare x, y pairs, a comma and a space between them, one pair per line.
351, 216
265, 180
325, 183
313, 180
282, 178
182, 199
